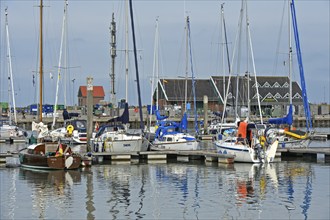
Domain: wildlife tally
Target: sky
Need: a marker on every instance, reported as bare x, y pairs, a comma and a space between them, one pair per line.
88, 44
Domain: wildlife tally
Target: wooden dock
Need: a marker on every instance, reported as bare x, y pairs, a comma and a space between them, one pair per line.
12, 140
313, 154
321, 136
164, 155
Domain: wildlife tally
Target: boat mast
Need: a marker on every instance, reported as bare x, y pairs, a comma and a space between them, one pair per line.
290, 57
136, 67
154, 72
59, 64
10, 73
254, 70
187, 66
192, 78
301, 68
66, 57
240, 26
126, 52
113, 53
41, 64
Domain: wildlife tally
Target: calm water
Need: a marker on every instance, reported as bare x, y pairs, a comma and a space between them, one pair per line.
194, 190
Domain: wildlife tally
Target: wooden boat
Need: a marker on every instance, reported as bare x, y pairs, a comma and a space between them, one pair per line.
49, 156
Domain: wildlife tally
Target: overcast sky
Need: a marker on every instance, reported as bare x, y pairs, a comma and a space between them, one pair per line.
88, 43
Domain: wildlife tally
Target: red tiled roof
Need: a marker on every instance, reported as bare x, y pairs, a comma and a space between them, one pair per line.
97, 91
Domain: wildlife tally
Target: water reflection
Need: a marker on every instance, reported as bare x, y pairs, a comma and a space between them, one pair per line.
294, 174
124, 188
164, 191
49, 187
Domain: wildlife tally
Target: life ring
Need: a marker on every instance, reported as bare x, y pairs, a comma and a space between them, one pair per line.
136, 110
69, 129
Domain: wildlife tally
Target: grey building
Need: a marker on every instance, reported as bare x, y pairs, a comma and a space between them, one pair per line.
273, 93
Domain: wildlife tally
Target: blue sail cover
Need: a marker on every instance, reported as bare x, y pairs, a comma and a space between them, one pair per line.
124, 118
184, 123
288, 119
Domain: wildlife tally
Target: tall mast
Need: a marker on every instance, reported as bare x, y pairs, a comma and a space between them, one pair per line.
113, 53
222, 22
290, 54
301, 68
126, 52
154, 72
239, 57
59, 64
10, 73
136, 67
66, 57
41, 65
254, 70
192, 78
187, 66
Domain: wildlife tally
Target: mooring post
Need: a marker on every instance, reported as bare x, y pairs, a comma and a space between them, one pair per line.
89, 111
205, 102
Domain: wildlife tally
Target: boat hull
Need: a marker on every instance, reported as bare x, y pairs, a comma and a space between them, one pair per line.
245, 153
186, 145
49, 162
120, 146
242, 153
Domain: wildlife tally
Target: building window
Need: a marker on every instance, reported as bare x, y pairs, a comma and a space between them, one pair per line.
276, 85
278, 96
297, 96
266, 85
286, 96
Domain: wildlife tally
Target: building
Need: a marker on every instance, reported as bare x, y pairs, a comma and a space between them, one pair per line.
98, 95
273, 93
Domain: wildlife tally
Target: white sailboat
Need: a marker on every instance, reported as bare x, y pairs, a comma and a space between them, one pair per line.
174, 136
219, 126
245, 145
9, 131
114, 136
74, 130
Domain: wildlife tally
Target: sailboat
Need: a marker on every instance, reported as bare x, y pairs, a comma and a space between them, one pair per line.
114, 135
290, 137
74, 129
47, 155
246, 145
219, 126
174, 136
8, 130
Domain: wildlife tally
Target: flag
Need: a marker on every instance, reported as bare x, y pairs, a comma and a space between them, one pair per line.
59, 152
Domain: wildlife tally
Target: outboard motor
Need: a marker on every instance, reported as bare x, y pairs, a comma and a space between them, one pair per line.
260, 152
